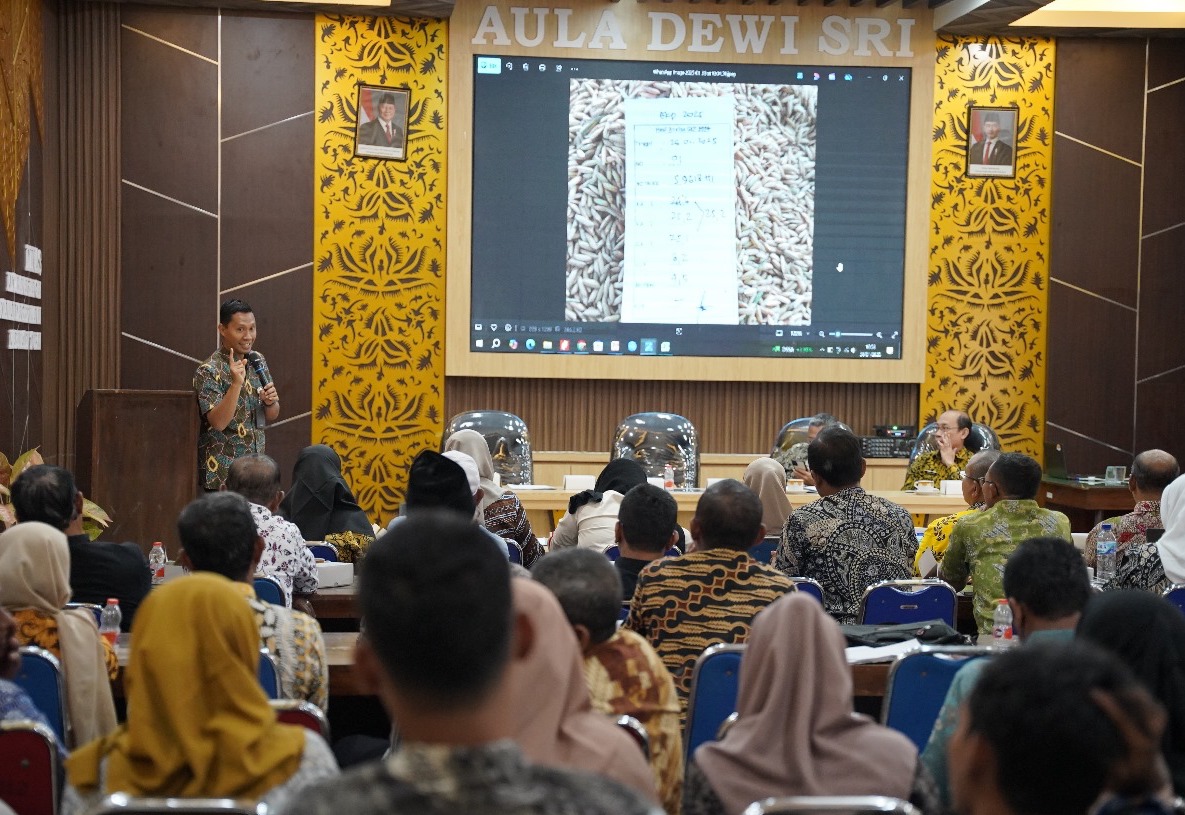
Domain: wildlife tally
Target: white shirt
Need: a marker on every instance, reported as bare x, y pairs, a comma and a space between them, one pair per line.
591, 527
285, 556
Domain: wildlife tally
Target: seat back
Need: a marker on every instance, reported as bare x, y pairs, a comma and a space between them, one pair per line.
121, 804
908, 601
41, 677
791, 442
93, 608
832, 804
715, 680
634, 729
917, 686
323, 551
981, 437
269, 590
269, 674
507, 437
809, 585
613, 553
28, 768
514, 552
304, 713
1175, 594
655, 440
763, 550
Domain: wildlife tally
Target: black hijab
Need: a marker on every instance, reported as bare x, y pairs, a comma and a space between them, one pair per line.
620, 475
320, 502
1148, 634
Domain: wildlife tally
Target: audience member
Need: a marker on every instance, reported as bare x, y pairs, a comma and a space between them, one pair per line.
1047, 587
937, 534
35, 587
980, 543
218, 535
15, 704
847, 540
285, 556
683, 604
623, 673
1152, 471
767, 478
1147, 633
98, 570
560, 728
1171, 546
1048, 729
795, 732
592, 514
950, 459
794, 461
647, 527
199, 725
502, 511
320, 502
442, 630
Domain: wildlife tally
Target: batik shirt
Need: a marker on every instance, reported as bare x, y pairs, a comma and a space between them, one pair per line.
507, 518
1128, 529
35, 628
625, 677
683, 604
285, 556
294, 639
847, 542
937, 537
930, 465
981, 543
218, 448
490, 779
1139, 567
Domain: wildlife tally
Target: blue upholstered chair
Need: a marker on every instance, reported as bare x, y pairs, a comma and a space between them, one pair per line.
1175, 594
41, 677
269, 674
917, 686
323, 551
908, 601
269, 590
808, 585
715, 680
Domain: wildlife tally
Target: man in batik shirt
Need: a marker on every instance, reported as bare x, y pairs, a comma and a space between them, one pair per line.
948, 462
937, 535
625, 676
1152, 471
233, 402
848, 539
981, 543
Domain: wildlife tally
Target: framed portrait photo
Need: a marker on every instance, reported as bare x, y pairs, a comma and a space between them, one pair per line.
991, 142
381, 129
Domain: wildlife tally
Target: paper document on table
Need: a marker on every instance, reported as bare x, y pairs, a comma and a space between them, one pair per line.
880, 653
927, 563
680, 250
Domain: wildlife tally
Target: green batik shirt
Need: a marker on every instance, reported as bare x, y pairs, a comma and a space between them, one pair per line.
982, 541
218, 448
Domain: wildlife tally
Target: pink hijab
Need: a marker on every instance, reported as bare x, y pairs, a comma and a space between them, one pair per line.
555, 724
795, 732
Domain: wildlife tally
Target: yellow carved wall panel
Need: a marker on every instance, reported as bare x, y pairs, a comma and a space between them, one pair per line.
987, 296
378, 282
20, 83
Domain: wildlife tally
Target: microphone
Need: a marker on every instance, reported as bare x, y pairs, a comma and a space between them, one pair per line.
260, 368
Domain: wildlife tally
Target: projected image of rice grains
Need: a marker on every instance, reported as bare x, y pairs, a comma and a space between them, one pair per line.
773, 141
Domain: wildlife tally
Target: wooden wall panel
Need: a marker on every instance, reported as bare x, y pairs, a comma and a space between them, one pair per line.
731, 417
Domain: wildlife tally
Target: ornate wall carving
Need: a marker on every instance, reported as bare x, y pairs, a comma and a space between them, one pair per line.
378, 285
20, 74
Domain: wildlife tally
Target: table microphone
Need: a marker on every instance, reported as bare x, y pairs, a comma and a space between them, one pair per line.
260, 368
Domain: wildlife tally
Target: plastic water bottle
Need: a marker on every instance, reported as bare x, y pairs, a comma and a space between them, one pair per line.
109, 620
668, 477
1002, 625
156, 563
1104, 548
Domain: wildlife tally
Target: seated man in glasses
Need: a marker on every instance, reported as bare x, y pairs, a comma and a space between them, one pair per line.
950, 459
937, 535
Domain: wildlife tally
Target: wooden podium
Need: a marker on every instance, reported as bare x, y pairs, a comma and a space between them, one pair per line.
136, 457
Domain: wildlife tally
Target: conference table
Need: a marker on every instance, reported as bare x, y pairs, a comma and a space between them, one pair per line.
1085, 503
545, 506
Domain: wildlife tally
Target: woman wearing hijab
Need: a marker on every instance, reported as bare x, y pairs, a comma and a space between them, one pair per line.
1147, 633
35, 587
503, 513
320, 502
592, 514
198, 724
795, 732
767, 478
1172, 543
559, 727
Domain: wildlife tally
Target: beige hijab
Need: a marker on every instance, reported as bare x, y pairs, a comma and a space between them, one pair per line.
473, 444
35, 573
559, 728
767, 478
795, 732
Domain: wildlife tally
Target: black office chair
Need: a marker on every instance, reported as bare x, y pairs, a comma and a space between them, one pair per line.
507, 437
655, 440
791, 442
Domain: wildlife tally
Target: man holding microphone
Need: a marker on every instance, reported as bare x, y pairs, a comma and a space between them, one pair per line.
236, 397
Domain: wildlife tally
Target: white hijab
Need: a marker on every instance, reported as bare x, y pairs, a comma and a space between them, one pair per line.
1172, 544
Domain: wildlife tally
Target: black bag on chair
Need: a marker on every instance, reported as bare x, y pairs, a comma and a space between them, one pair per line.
929, 632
